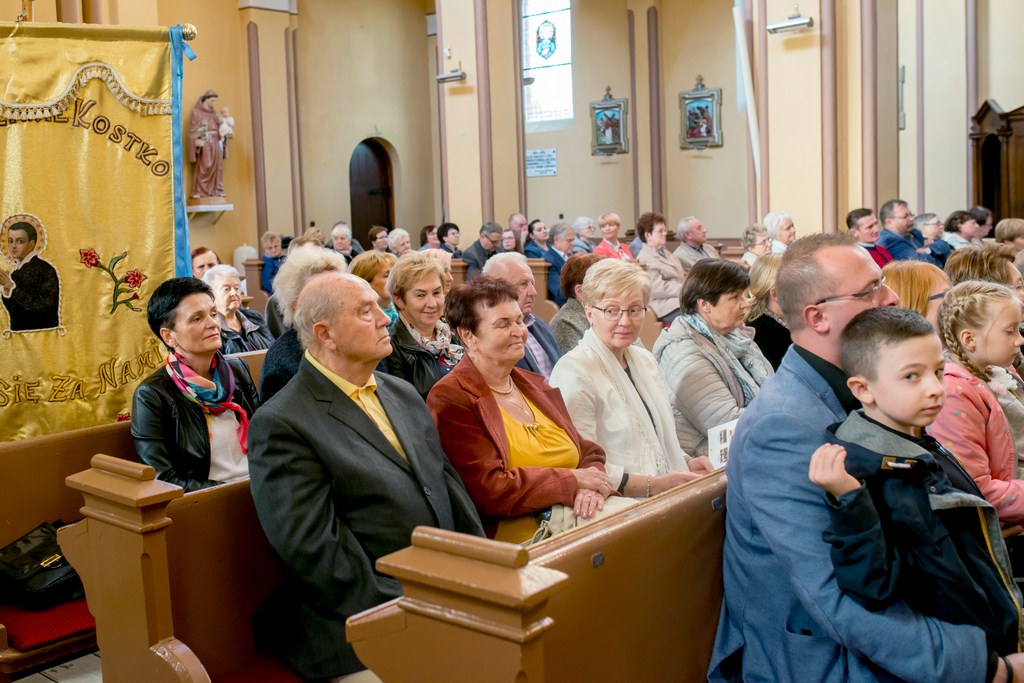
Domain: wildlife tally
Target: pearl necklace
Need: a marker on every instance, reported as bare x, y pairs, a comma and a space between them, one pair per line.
503, 392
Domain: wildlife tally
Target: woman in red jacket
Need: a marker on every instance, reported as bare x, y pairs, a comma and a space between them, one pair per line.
506, 430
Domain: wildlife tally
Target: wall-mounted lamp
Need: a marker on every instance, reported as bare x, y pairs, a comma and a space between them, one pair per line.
795, 22
456, 74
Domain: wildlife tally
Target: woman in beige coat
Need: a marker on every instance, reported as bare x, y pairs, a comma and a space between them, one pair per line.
664, 269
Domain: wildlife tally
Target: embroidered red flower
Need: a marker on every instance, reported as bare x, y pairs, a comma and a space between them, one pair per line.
89, 257
134, 278
124, 417
134, 297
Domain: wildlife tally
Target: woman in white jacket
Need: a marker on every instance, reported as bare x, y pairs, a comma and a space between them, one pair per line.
709, 360
614, 392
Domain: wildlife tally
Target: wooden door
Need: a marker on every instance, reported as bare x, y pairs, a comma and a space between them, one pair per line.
369, 173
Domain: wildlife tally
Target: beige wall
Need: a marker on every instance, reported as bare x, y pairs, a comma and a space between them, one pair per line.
462, 117
697, 38
945, 123
794, 119
1001, 70
361, 75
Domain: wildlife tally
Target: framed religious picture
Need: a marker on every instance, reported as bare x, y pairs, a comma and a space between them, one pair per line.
608, 125
700, 114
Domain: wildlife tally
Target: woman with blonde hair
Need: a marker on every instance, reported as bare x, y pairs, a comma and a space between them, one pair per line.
423, 347
987, 263
978, 324
375, 266
771, 334
613, 389
1010, 231
610, 246
919, 285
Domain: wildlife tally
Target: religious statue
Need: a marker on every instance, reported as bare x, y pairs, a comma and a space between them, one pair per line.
205, 150
227, 128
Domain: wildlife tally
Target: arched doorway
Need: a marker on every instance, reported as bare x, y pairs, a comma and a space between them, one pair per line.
369, 179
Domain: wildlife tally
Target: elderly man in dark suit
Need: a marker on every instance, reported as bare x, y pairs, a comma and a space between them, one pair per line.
542, 350
344, 463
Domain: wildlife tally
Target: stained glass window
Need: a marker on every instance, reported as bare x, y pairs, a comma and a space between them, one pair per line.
547, 58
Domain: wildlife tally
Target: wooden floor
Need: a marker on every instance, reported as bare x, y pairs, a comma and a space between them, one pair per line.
82, 670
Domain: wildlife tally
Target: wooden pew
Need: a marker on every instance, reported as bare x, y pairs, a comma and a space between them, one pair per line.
635, 596
254, 359
173, 580
32, 474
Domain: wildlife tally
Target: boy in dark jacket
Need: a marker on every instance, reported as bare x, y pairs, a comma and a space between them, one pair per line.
908, 522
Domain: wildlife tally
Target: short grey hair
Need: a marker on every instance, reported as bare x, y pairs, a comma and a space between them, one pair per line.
317, 302
558, 230
773, 220
922, 219
583, 222
499, 261
749, 237
612, 277
341, 228
295, 273
396, 235
214, 275
685, 224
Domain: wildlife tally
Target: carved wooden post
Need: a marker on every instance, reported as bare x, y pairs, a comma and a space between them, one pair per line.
540, 276
120, 551
458, 272
460, 589
254, 284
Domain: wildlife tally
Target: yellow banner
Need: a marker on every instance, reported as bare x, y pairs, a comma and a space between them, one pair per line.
87, 218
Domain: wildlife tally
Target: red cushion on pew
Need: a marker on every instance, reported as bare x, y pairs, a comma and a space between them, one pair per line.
28, 630
267, 669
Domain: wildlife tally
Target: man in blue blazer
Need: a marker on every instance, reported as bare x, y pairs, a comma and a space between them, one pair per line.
542, 351
344, 464
784, 617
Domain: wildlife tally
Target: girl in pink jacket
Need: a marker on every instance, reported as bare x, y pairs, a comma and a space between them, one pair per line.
979, 323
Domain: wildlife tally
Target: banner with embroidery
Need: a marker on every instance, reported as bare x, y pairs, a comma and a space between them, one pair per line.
92, 217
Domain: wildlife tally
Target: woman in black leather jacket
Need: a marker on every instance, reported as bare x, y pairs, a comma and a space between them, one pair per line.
190, 418
423, 347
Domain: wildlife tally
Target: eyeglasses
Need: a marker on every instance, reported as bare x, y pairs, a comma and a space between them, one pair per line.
614, 313
858, 295
933, 297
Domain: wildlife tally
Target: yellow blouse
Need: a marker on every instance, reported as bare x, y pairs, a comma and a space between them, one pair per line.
541, 444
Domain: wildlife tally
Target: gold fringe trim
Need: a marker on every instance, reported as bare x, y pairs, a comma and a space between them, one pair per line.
84, 74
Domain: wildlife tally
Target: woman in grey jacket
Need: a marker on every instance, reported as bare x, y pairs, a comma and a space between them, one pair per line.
708, 359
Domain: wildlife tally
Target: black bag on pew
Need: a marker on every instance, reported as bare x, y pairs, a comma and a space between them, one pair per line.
34, 574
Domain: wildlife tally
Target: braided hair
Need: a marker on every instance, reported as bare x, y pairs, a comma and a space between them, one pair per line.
968, 306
